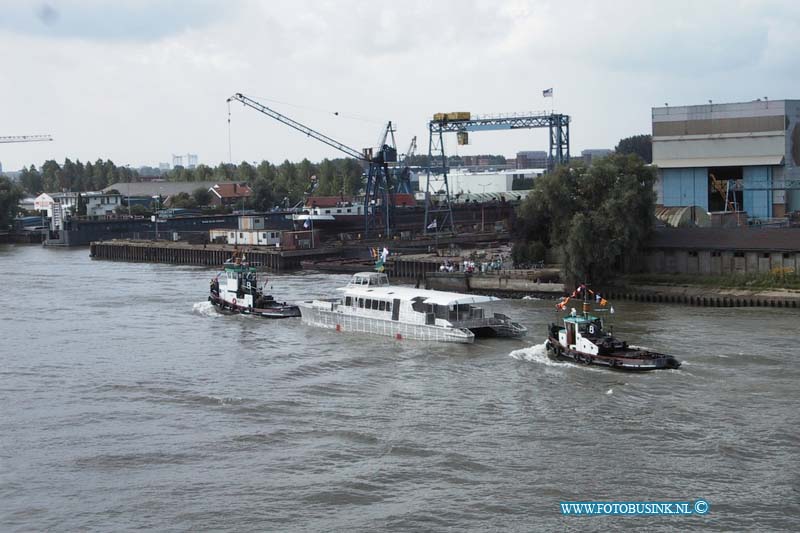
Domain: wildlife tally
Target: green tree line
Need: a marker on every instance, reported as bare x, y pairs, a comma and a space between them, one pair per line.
10, 194
73, 176
592, 217
272, 183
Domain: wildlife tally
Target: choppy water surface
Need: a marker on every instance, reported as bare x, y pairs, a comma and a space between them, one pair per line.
127, 402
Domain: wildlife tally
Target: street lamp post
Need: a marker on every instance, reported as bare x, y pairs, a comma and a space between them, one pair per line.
128, 179
155, 218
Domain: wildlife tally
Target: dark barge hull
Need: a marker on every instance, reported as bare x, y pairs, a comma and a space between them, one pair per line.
276, 311
631, 360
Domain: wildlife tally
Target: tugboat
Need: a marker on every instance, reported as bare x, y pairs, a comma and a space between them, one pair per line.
584, 340
235, 289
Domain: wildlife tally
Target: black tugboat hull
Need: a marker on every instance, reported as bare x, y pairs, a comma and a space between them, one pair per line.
277, 311
631, 360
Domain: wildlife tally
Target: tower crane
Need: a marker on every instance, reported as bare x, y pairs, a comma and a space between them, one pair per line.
412, 148
404, 174
378, 197
25, 138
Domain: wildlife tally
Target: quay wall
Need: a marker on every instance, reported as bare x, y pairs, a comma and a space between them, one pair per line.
705, 297
199, 255
505, 283
516, 284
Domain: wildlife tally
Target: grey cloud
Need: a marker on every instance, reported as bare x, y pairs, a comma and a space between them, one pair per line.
125, 20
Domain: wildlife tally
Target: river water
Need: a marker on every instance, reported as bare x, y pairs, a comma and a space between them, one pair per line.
127, 402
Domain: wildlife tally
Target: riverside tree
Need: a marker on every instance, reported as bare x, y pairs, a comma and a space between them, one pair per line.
641, 145
10, 195
593, 217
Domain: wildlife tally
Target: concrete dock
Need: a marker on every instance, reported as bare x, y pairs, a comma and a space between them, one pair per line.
181, 253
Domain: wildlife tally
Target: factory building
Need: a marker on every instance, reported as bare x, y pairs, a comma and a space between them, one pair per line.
591, 155
743, 156
498, 181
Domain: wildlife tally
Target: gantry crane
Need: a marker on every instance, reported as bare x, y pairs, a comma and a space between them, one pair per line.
439, 215
25, 138
378, 197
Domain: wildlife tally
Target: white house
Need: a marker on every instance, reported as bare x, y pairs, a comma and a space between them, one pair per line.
45, 201
101, 203
249, 237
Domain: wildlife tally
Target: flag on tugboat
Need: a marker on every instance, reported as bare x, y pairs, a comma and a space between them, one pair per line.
432, 225
547, 93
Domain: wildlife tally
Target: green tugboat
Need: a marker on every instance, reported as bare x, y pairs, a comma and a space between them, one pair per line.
583, 340
236, 290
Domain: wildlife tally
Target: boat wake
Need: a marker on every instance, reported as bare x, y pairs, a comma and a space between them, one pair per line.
204, 309
537, 354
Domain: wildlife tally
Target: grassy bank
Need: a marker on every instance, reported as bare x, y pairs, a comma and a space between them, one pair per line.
779, 279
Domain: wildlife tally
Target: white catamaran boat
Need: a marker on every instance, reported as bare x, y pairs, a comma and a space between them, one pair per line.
370, 305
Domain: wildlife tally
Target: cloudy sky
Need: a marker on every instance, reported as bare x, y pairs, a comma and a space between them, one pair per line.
138, 81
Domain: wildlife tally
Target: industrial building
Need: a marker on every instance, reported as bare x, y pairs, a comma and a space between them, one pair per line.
499, 181
729, 157
591, 155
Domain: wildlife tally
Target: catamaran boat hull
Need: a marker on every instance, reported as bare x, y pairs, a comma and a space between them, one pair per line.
314, 315
370, 305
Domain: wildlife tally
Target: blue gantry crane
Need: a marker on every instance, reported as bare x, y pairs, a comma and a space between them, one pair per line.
378, 197
438, 212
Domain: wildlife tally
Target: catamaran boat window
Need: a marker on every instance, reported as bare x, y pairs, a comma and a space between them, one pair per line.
389, 306
441, 311
375, 305
417, 305
348, 300
361, 302
381, 305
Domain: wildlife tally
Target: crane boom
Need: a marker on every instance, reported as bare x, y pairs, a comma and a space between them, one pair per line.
411, 148
249, 102
25, 138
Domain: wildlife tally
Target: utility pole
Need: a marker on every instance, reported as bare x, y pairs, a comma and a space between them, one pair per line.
155, 218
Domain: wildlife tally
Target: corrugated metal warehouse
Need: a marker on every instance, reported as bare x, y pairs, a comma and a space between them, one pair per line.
754, 146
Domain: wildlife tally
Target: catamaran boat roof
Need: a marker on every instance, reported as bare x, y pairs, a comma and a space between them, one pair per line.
375, 284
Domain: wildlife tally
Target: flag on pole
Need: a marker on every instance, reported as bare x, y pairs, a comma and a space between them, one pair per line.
548, 93
432, 225
384, 254
307, 223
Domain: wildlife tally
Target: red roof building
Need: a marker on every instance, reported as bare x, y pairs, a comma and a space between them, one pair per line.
229, 193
